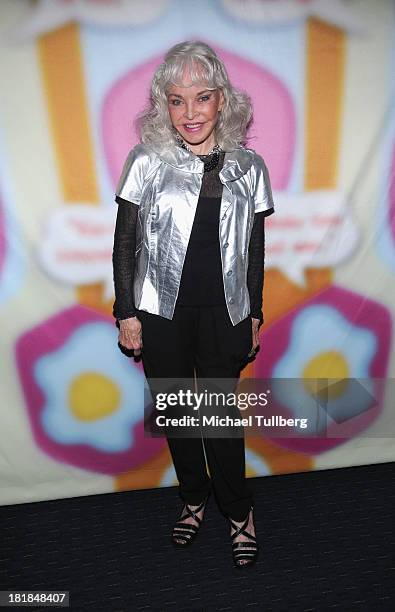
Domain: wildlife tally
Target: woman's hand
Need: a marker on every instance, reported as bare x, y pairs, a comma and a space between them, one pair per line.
255, 333
130, 334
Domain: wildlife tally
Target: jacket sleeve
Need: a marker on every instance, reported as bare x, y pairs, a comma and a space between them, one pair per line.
134, 172
123, 259
262, 191
256, 263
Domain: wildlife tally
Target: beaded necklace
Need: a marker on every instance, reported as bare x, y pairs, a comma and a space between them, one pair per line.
212, 158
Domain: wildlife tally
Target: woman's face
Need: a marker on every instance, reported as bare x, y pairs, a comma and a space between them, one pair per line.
193, 112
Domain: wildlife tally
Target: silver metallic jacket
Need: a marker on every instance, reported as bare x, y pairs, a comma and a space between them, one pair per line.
166, 187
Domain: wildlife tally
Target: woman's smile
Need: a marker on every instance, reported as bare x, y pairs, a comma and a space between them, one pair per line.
193, 127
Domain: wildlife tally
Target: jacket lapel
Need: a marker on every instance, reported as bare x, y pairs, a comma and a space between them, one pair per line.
236, 163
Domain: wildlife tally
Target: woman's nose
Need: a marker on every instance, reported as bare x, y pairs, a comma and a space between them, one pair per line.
190, 111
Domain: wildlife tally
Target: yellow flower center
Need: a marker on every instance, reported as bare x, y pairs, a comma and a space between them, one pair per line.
93, 396
326, 365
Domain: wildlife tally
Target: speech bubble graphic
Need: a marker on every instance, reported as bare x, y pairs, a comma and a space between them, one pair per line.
313, 229
77, 248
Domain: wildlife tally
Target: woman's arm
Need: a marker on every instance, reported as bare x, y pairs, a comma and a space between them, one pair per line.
256, 261
123, 259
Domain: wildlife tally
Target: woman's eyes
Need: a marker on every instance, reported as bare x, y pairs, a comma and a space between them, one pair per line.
176, 102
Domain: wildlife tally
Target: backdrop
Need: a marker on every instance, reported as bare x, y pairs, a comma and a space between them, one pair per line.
74, 74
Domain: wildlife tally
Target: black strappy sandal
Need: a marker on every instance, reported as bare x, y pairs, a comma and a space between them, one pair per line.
239, 551
186, 532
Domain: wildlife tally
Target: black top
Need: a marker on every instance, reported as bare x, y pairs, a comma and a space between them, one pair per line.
201, 280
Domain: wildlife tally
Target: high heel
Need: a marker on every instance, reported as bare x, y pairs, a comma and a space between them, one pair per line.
244, 551
186, 532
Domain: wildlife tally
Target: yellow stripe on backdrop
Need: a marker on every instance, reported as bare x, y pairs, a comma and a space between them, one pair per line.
325, 62
325, 84
61, 61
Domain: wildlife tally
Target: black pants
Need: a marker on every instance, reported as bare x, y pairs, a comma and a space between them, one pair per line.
202, 338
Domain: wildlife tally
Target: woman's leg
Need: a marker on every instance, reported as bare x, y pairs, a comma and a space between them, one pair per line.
168, 348
219, 353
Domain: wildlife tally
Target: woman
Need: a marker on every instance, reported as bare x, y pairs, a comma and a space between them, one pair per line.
188, 264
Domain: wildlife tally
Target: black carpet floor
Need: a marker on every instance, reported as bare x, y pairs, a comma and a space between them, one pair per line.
326, 537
